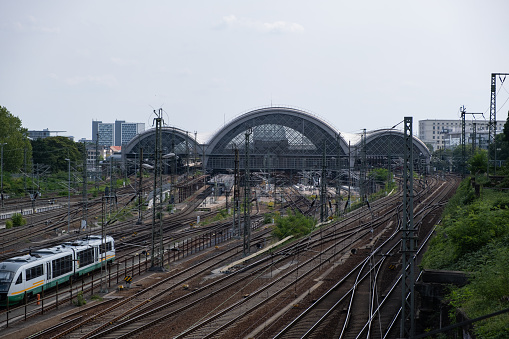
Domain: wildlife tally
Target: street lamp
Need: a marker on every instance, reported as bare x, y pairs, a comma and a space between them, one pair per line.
2, 172
69, 197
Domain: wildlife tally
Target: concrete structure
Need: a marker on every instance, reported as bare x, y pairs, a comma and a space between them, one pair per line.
441, 134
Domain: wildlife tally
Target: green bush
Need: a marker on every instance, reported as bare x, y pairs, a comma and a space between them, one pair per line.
8, 224
267, 218
18, 220
80, 300
476, 226
294, 224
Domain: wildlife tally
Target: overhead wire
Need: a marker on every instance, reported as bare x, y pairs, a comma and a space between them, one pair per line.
505, 89
496, 95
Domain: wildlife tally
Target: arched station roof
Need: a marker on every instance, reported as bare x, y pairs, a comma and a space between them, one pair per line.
281, 137
174, 140
391, 141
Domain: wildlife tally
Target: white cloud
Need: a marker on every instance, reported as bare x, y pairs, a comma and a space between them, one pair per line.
282, 26
231, 21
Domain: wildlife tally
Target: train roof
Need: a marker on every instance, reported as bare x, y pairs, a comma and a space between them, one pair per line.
89, 240
52, 250
65, 248
23, 259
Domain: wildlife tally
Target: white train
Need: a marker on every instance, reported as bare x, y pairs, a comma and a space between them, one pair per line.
46, 267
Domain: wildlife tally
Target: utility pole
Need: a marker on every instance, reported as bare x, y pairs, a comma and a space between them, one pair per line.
349, 175
157, 172
104, 205
173, 192
236, 198
463, 140
187, 153
85, 193
338, 175
140, 190
389, 161
492, 126
69, 197
247, 199
474, 137
363, 186
195, 152
2, 173
323, 188
25, 169
408, 238
110, 205
96, 161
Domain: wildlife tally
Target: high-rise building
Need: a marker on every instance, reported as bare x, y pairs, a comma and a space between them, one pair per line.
105, 132
129, 130
115, 134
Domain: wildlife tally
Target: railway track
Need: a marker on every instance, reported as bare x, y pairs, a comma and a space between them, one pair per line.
364, 303
266, 296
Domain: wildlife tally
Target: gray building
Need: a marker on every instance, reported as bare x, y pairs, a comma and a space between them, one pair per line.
441, 133
45, 133
128, 130
115, 134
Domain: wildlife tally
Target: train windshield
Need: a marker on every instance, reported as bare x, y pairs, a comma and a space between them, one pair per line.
5, 280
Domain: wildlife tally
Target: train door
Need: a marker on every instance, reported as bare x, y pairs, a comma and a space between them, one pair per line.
48, 271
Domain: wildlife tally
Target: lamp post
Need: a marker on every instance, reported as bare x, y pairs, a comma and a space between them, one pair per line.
69, 197
2, 172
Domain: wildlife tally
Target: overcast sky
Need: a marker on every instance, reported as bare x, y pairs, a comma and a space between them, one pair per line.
357, 64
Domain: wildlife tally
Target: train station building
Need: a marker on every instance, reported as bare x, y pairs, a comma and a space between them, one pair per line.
276, 139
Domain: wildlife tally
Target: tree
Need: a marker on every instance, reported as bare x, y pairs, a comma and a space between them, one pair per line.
478, 163
16, 141
53, 151
380, 175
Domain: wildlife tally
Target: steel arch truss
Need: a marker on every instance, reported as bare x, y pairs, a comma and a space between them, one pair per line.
282, 139
174, 140
390, 144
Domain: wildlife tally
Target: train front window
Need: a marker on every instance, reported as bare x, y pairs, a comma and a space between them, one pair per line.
6, 276
5, 280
